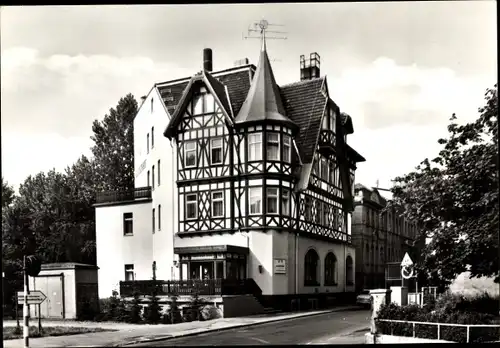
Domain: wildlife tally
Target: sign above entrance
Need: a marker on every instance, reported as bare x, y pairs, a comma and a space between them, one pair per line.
279, 266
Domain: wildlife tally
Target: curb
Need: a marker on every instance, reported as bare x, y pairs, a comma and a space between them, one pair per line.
156, 339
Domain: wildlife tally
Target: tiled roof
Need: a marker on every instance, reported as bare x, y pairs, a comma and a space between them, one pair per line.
238, 84
304, 105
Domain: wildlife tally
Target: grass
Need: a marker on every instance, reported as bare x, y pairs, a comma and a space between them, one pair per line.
12, 332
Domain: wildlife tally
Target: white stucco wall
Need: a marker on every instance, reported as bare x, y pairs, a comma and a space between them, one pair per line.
114, 250
164, 195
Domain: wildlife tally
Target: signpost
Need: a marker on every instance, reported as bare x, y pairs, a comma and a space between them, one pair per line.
32, 267
35, 297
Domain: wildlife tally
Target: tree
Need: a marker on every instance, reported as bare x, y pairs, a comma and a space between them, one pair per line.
454, 199
7, 194
114, 147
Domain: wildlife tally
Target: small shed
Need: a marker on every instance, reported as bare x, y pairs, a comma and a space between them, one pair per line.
70, 288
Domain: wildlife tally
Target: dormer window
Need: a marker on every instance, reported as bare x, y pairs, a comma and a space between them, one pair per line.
255, 147
287, 148
273, 147
190, 154
203, 103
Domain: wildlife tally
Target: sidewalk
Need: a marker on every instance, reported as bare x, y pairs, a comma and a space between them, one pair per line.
130, 333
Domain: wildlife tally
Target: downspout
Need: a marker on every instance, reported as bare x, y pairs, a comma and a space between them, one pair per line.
173, 210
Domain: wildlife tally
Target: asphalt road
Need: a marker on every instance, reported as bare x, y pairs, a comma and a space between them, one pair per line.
336, 327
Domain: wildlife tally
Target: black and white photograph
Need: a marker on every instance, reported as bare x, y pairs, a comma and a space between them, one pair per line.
250, 174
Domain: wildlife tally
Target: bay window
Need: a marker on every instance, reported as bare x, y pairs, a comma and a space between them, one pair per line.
272, 200
255, 147
273, 146
287, 149
285, 202
255, 200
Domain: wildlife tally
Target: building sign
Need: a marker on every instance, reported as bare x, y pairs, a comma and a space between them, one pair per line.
141, 168
279, 266
202, 257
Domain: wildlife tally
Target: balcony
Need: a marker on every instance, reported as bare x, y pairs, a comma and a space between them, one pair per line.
326, 142
106, 197
209, 287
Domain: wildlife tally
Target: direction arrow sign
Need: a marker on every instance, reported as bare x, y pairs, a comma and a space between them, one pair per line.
34, 297
406, 261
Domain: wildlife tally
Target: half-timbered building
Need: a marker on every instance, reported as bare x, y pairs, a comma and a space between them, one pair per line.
260, 182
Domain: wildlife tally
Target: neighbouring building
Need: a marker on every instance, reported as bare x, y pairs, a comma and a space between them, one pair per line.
379, 237
237, 178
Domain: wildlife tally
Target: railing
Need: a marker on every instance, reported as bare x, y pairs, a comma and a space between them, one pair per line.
327, 139
439, 325
122, 196
187, 287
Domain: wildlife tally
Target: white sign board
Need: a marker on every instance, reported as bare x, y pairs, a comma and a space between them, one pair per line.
406, 261
279, 266
34, 297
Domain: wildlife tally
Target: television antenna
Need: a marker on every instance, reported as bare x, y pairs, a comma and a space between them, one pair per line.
262, 28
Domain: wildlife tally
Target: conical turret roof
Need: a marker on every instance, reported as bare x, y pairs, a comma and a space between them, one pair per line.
263, 101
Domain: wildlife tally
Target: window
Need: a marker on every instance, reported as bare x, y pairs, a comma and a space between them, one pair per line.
159, 176
209, 103
129, 273
153, 177
128, 224
330, 269
203, 103
308, 208
159, 217
216, 148
152, 137
349, 271
332, 120
190, 154
255, 147
149, 183
311, 268
191, 206
325, 214
332, 173
324, 169
147, 145
153, 218
319, 211
272, 200
273, 146
285, 202
217, 204
151, 106
287, 149
198, 104
255, 200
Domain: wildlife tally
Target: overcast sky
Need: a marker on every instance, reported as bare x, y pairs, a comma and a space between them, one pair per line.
399, 69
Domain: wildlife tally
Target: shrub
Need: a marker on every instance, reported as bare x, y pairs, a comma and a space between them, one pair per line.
193, 310
173, 315
112, 309
152, 313
135, 310
448, 313
210, 312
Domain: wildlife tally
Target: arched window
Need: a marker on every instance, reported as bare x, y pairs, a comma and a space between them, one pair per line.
349, 271
311, 268
330, 269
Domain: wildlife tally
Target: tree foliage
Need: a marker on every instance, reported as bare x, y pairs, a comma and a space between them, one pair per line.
114, 146
454, 199
7, 194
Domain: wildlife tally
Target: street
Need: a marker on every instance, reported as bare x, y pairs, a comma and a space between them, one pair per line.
341, 327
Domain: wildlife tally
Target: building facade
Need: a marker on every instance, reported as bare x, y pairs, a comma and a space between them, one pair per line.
379, 237
236, 178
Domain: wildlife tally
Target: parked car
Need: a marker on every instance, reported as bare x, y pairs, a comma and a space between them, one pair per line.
364, 299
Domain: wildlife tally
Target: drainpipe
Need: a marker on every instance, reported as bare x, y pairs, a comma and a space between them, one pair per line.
173, 210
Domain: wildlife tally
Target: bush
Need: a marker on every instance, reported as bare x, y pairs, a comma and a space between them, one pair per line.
173, 314
135, 310
192, 312
210, 312
152, 313
113, 309
450, 311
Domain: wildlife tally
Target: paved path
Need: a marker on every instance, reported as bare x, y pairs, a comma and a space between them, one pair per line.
129, 333
341, 327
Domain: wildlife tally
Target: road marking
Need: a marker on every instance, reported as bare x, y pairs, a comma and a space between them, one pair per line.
259, 340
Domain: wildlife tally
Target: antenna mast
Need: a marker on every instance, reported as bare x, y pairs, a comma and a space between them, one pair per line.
262, 27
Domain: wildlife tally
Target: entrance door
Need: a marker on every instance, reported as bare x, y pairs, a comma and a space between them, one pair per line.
202, 270
52, 287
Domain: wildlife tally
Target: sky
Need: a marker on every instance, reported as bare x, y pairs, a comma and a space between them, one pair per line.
400, 69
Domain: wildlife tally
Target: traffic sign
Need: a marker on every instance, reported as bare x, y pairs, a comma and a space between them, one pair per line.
34, 297
406, 261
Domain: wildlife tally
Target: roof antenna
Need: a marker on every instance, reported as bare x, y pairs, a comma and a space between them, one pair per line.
262, 27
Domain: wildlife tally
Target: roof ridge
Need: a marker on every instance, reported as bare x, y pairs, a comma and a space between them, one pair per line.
292, 84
